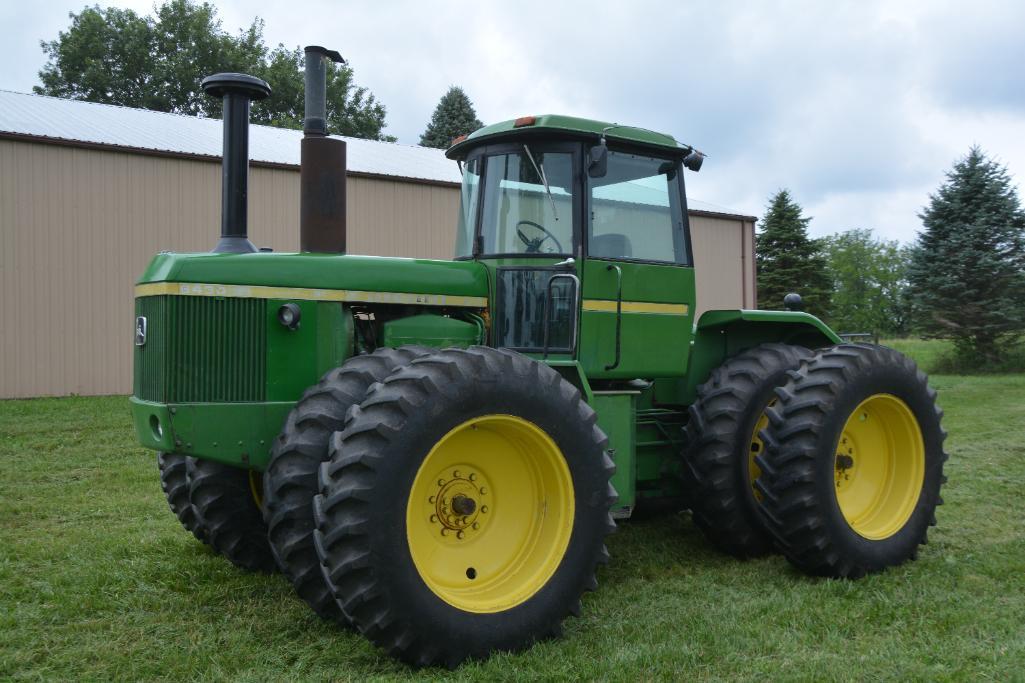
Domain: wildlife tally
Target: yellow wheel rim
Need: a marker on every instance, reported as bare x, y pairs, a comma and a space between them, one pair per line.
256, 487
490, 513
879, 466
753, 470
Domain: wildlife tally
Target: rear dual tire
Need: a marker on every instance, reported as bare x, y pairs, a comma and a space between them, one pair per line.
853, 467
722, 439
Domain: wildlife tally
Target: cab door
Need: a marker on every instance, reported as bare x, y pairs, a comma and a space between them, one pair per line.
637, 279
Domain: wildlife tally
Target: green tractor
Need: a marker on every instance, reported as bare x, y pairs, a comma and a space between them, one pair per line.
433, 452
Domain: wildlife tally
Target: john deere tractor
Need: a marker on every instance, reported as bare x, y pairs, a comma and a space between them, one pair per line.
434, 451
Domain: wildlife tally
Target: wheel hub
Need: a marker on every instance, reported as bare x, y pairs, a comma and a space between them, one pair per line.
846, 462
458, 502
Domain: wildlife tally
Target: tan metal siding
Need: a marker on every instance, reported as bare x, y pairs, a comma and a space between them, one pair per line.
723, 254
78, 226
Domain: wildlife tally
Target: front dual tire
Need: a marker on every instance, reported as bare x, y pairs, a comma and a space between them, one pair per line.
290, 482
220, 505
464, 507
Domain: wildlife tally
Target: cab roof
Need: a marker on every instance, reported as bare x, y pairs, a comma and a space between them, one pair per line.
564, 126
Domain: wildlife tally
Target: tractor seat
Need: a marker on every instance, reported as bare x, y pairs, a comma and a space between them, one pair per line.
610, 245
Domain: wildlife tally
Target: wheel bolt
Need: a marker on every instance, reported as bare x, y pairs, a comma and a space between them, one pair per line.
483, 490
434, 518
473, 477
455, 474
476, 526
460, 535
432, 499
444, 531
484, 509
441, 482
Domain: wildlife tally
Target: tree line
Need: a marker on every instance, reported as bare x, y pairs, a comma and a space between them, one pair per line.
115, 56
962, 279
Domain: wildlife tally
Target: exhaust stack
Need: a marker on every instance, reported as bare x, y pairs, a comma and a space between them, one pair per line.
237, 91
322, 175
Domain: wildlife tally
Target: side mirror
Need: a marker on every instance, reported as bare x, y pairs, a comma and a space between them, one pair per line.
598, 160
694, 160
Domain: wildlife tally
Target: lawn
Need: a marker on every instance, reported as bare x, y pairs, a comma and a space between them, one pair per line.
98, 581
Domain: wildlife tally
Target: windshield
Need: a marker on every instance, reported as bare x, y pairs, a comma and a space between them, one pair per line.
528, 203
468, 207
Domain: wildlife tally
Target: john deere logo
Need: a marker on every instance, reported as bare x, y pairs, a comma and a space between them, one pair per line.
140, 330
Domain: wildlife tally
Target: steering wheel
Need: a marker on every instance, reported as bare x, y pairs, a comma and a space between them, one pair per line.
534, 245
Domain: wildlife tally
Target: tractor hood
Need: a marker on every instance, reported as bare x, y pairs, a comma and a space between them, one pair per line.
326, 276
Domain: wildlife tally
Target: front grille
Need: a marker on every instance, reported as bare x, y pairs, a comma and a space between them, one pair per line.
201, 350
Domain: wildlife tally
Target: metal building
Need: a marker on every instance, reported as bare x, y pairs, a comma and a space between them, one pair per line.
89, 192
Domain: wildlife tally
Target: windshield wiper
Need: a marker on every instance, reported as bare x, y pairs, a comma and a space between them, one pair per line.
540, 169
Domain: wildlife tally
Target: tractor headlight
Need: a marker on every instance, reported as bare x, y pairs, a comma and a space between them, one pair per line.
289, 315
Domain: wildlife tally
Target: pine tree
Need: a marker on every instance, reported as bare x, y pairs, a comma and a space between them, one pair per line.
454, 116
968, 266
788, 260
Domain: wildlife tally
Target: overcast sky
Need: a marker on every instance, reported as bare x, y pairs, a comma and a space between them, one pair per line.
858, 108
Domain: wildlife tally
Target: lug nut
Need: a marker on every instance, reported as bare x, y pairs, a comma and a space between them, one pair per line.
460, 535
455, 474
484, 509
434, 518
483, 490
476, 526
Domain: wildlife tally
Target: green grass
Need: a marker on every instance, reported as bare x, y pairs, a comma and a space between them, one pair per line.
98, 581
938, 356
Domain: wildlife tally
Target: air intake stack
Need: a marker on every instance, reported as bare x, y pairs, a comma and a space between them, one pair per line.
322, 179
237, 91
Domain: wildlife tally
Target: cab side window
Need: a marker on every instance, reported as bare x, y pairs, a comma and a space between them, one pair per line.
637, 211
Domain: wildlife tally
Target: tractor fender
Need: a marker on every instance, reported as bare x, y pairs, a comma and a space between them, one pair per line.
718, 335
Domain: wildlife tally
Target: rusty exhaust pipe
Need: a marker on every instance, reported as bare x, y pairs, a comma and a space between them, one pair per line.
237, 91
322, 174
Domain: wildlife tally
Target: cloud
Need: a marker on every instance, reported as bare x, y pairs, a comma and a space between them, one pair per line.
857, 108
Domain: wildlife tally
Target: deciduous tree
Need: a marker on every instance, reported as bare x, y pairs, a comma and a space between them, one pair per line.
870, 286
115, 56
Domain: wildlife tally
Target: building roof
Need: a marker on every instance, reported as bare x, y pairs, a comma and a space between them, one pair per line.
74, 121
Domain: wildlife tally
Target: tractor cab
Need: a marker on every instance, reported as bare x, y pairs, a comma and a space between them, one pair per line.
583, 227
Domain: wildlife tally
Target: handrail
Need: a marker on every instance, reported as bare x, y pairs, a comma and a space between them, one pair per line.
619, 312
547, 318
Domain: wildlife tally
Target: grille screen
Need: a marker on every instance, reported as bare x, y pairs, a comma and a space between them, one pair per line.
201, 350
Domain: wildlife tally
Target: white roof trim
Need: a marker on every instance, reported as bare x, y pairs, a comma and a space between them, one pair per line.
104, 124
